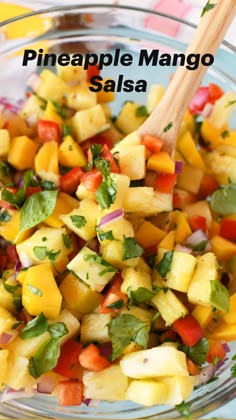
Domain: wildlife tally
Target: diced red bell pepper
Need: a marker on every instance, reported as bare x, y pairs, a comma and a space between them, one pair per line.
91, 359
165, 183
198, 222
32, 190
106, 154
216, 353
152, 143
228, 229
188, 329
68, 361
208, 186
92, 71
192, 367
215, 92
92, 179
113, 295
70, 392
12, 256
102, 138
70, 181
48, 131
200, 99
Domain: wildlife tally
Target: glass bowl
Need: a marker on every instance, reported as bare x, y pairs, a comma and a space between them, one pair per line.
98, 28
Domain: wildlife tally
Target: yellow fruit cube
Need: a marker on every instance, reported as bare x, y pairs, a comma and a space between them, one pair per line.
168, 242
189, 151
203, 314
223, 248
22, 152
71, 154
4, 353
4, 142
181, 272
161, 162
64, 204
134, 278
230, 317
47, 158
127, 120
88, 122
212, 134
52, 88
38, 289
169, 305
180, 224
10, 230
50, 114
224, 332
147, 392
103, 96
149, 235
6, 320
81, 97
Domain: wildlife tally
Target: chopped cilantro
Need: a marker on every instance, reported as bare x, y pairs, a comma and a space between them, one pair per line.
131, 248
198, 352
95, 258
58, 329
60, 110
116, 305
46, 357
106, 193
94, 150
164, 266
78, 221
208, 6
105, 235
41, 252
34, 290
44, 238
35, 327
140, 295
184, 408
168, 127
199, 247
67, 130
219, 296
141, 111
67, 240
5, 216
230, 103
233, 368
48, 185
225, 134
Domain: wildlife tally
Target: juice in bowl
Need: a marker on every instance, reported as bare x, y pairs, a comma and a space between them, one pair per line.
117, 296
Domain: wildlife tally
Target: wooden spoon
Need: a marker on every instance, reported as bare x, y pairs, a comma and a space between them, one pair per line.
206, 40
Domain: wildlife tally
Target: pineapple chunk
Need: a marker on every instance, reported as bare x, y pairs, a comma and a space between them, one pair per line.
71, 73
4, 353
6, 320
72, 323
180, 388
145, 315
181, 272
83, 220
119, 228
109, 384
83, 193
89, 122
134, 168
122, 186
4, 142
170, 306
45, 239
94, 328
147, 392
154, 96
147, 201
52, 88
81, 97
128, 120
222, 165
18, 375
155, 362
221, 112
134, 278
92, 269
38, 288
32, 107
200, 285
185, 179
78, 296
133, 139
47, 159
113, 253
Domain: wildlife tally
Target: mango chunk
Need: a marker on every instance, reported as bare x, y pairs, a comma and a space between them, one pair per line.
224, 332
10, 230
70, 153
149, 235
230, 317
161, 162
188, 149
203, 314
64, 204
47, 158
22, 153
40, 292
223, 248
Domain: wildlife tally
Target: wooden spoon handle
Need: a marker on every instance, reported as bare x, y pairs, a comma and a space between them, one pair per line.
184, 84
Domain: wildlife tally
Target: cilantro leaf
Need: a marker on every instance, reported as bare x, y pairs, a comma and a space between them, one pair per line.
60, 110
219, 296
198, 352
225, 134
94, 150
116, 305
199, 247
40, 252
67, 240
230, 103
58, 329
15, 199
123, 330
103, 166
34, 290
140, 295
5, 216
45, 358
48, 185
78, 221
223, 200
35, 327
106, 193
141, 111
184, 408
106, 235
95, 258
168, 127
233, 368
131, 248
67, 130
164, 266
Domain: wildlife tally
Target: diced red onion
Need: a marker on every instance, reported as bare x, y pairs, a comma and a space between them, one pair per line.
18, 179
106, 349
5, 338
3, 100
25, 260
197, 238
111, 217
207, 110
207, 372
34, 81
220, 363
12, 394
178, 167
18, 266
46, 385
181, 248
87, 401
226, 347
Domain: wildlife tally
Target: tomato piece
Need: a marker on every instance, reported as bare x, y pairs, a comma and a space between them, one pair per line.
92, 71
208, 186
106, 154
91, 359
197, 222
68, 362
32, 190
165, 183
192, 367
48, 131
152, 143
216, 353
215, 92
70, 392
92, 179
11, 253
70, 181
189, 330
228, 229
113, 295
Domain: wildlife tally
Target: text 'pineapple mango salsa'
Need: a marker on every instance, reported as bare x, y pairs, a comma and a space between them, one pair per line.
118, 262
